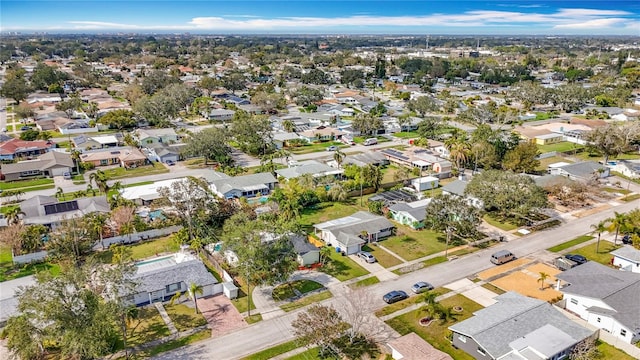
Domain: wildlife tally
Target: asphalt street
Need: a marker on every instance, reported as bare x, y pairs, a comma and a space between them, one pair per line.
271, 332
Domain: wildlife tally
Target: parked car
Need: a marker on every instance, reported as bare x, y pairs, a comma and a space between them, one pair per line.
24, 128
394, 296
332, 148
366, 257
579, 259
502, 256
421, 287
170, 162
370, 141
627, 240
66, 175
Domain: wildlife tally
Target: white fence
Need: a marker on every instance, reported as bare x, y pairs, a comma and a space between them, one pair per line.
31, 257
135, 237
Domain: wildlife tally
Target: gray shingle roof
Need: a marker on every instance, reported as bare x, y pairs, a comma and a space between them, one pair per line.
627, 252
456, 187
191, 271
513, 317
615, 288
583, 169
301, 245
312, 167
243, 182
355, 224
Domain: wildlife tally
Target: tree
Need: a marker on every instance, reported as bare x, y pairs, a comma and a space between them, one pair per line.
506, 193
338, 156
268, 101
599, 228
422, 105
100, 179
29, 135
156, 80
451, 214
458, 152
261, 262
372, 175
32, 238
11, 237
617, 222
24, 112
123, 218
70, 105
252, 132
119, 119
543, 277
325, 253
522, 159
211, 144
194, 290
15, 86
366, 123
288, 125
96, 222
305, 96
71, 240
430, 127
585, 350
611, 140
190, 198
234, 82
319, 325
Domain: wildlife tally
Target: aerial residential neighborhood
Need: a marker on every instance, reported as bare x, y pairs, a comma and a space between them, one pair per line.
250, 187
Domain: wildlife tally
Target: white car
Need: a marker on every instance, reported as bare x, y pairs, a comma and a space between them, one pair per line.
366, 257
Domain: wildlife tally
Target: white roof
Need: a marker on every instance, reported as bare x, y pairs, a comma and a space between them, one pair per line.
421, 163
107, 139
558, 164
147, 192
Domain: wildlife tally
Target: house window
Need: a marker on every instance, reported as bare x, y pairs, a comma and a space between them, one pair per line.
104, 162
574, 301
173, 287
623, 332
462, 338
481, 351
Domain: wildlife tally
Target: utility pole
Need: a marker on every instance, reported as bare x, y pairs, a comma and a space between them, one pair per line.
361, 186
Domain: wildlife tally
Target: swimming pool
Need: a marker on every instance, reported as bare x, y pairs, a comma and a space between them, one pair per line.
260, 200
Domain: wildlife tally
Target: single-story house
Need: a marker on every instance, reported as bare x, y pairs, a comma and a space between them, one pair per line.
411, 214
48, 211
367, 158
582, 171
391, 197
307, 253
456, 188
281, 139
126, 156
321, 133
425, 183
160, 278
519, 327
628, 168
350, 232
604, 297
154, 136
547, 139
162, 152
221, 115
312, 167
419, 158
627, 258
145, 194
245, 186
52, 163
84, 142
16, 148
413, 347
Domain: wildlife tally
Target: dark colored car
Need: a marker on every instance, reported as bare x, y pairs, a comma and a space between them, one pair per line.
25, 128
394, 296
579, 259
627, 240
421, 287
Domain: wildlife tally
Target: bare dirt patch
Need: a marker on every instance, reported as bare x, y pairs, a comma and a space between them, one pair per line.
526, 282
500, 269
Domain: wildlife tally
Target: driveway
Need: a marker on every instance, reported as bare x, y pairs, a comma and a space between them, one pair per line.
374, 268
221, 315
473, 291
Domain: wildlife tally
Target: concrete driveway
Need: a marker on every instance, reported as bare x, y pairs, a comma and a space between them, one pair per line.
473, 291
374, 268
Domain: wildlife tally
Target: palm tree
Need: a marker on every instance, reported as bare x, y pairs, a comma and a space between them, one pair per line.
616, 222
194, 290
288, 126
338, 156
75, 156
91, 190
599, 228
430, 307
325, 252
100, 179
13, 215
458, 152
97, 221
543, 277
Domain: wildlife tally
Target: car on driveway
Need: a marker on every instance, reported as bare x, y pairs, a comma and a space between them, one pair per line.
421, 287
332, 148
627, 240
367, 257
578, 259
394, 296
25, 128
170, 162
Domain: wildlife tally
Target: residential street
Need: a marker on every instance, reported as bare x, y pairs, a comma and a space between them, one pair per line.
277, 330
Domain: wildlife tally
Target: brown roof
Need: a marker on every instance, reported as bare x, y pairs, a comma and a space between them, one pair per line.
16, 145
590, 123
412, 347
530, 132
123, 154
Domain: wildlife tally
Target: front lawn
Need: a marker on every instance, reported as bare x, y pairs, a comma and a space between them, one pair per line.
365, 282
24, 184
499, 223
406, 135
412, 244
382, 256
185, 317
435, 334
241, 303
315, 147
288, 290
607, 351
274, 351
570, 243
121, 173
174, 344
493, 288
390, 309
603, 256
307, 300
147, 327
342, 267
361, 139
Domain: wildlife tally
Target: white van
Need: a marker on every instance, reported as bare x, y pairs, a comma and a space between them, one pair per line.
370, 141
502, 256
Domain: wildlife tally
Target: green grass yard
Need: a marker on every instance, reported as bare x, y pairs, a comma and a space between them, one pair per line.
570, 243
342, 267
412, 244
435, 333
383, 257
288, 290
274, 351
307, 300
500, 224
13, 185
9, 271
122, 173
564, 146
185, 317
147, 327
602, 256
390, 309
365, 282
145, 249
406, 135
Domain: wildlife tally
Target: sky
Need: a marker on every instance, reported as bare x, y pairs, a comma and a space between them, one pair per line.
506, 17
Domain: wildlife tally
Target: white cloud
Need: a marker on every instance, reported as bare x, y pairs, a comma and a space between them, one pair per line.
593, 24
